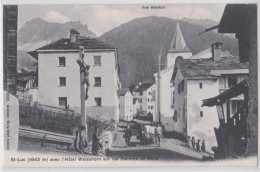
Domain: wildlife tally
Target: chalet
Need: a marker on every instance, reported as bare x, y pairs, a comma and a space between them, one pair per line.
126, 105
59, 75
164, 89
241, 19
202, 78
145, 92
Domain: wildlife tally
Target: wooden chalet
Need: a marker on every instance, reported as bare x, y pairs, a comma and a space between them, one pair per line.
232, 132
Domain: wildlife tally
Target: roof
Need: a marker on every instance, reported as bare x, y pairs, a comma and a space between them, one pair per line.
242, 20
123, 91
178, 43
65, 44
135, 100
234, 91
142, 87
234, 18
207, 53
201, 68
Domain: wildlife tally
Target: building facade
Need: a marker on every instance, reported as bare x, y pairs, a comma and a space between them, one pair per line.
126, 110
136, 106
198, 79
59, 76
164, 89
145, 92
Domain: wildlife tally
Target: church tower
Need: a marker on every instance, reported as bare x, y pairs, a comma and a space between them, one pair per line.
177, 48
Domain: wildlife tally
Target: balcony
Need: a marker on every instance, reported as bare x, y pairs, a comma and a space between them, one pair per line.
240, 97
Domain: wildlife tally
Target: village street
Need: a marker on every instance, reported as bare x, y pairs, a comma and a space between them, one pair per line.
171, 149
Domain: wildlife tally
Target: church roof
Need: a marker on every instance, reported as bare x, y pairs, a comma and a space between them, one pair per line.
178, 43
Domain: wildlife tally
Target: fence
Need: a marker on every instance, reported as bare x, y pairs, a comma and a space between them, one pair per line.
55, 119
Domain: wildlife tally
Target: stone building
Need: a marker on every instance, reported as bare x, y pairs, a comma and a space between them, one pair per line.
136, 106
59, 76
202, 78
164, 89
144, 92
126, 111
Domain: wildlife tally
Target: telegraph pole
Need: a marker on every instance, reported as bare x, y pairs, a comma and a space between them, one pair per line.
159, 85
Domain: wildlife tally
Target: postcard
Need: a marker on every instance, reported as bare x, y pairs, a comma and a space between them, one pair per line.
130, 85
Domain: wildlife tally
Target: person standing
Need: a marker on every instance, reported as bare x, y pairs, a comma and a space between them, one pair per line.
80, 144
203, 148
141, 135
198, 145
128, 135
158, 134
193, 142
188, 142
95, 142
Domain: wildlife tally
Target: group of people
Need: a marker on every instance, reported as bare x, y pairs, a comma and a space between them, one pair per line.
143, 133
196, 145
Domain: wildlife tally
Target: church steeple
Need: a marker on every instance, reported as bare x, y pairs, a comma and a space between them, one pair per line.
177, 48
178, 43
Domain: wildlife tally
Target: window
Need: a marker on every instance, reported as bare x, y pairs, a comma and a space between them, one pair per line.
172, 99
200, 85
201, 113
62, 81
236, 105
63, 102
148, 107
175, 116
181, 87
232, 80
151, 107
140, 100
148, 99
62, 61
97, 60
97, 82
141, 107
140, 93
98, 101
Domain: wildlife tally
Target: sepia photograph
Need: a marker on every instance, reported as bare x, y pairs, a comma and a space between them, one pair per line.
130, 85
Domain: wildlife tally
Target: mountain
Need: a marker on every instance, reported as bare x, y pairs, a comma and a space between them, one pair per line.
206, 23
38, 32
139, 41
25, 61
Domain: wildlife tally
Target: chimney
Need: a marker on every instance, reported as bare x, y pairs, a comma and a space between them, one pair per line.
73, 35
216, 51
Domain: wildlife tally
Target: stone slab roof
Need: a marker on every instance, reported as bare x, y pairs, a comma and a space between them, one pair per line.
201, 68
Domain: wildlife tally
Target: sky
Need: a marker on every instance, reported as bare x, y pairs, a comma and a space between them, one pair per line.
102, 18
